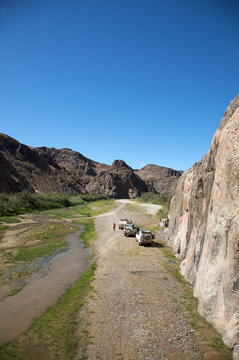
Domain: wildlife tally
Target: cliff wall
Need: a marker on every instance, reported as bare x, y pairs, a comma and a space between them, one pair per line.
204, 228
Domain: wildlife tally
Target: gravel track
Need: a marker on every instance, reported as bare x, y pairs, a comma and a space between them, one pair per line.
136, 312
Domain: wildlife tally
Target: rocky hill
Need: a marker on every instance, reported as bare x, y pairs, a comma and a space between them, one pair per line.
204, 231
159, 179
48, 170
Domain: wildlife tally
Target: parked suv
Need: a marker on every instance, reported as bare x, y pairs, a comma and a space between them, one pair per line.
130, 230
123, 222
145, 237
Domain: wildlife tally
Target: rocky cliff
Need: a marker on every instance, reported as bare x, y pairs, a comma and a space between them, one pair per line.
159, 179
32, 169
48, 170
204, 230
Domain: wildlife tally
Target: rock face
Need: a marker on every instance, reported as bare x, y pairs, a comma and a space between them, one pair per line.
26, 168
204, 230
159, 179
120, 181
48, 170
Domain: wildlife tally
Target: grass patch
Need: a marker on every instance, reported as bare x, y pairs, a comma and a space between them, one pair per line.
57, 331
51, 237
96, 208
169, 255
43, 250
91, 256
57, 327
216, 342
9, 219
89, 234
46, 232
10, 351
15, 291
84, 210
23, 262
4, 227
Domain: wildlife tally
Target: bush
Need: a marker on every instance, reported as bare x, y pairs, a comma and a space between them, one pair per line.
19, 203
24, 201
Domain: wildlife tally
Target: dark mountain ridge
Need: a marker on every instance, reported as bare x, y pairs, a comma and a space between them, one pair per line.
50, 170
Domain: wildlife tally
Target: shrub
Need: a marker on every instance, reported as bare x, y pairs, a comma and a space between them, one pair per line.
25, 201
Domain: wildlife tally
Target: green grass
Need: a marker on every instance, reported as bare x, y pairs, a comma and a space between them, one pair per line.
44, 250
4, 227
58, 331
21, 263
11, 352
96, 208
57, 327
61, 214
15, 291
89, 234
9, 220
23, 202
52, 242
84, 210
217, 342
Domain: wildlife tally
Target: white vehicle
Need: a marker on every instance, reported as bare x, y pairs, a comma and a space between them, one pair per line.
123, 222
130, 230
144, 237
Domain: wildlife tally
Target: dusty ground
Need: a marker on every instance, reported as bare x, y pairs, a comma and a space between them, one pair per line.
136, 312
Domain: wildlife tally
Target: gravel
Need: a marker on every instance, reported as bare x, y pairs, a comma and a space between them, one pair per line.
136, 312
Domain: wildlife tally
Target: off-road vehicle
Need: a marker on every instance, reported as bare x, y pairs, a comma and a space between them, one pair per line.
123, 222
145, 237
130, 230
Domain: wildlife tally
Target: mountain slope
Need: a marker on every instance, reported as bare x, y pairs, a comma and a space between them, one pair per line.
48, 170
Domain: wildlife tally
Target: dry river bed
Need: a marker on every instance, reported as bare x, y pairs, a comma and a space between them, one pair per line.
136, 311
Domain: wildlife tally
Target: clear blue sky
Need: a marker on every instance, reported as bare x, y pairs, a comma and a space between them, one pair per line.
146, 81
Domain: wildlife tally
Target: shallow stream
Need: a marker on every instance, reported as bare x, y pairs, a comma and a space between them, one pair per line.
43, 289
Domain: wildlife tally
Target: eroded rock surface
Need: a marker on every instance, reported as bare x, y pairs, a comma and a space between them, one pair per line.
159, 179
204, 229
48, 170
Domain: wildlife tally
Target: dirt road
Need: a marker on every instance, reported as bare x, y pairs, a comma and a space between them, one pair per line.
136, 312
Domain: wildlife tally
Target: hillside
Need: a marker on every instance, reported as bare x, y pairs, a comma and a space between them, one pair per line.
48, 170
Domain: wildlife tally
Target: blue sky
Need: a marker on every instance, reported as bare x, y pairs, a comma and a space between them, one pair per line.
143, 81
